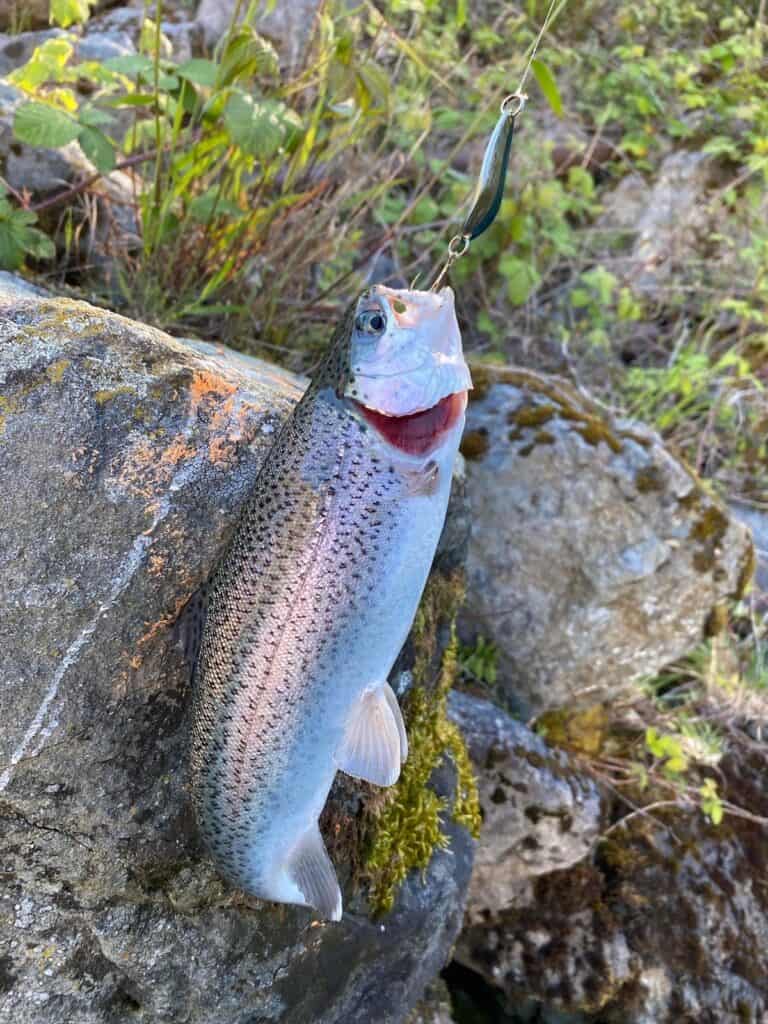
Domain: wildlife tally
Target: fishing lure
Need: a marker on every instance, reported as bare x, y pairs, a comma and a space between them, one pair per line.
490, 185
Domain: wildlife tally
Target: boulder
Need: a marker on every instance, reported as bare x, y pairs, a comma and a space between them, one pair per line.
596, 556
540, 813
435, 1007
126, 456
289, 24
664, 222
16, 49
667, 923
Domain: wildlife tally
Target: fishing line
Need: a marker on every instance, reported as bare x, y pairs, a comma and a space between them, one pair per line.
489, 190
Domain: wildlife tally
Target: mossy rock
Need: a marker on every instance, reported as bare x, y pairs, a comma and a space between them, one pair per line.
596, 556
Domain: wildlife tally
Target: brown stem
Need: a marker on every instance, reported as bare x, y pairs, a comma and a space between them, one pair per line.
81, 186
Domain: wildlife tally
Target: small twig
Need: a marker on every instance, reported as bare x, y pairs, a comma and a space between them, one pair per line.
82, 186
642, 811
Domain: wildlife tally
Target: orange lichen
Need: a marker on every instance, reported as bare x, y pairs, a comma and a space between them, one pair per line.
206, 386
177, 451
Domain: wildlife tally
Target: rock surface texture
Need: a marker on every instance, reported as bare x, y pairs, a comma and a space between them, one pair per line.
131, 455
596, 557
288, 24
668, 923
665, 221
540, 814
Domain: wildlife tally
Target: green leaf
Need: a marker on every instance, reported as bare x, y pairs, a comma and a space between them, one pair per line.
46, 64
38, 244
134, 99
424, 211
259, 127
245, 55
520, 276
93, 117
130, 64
18, 238
210, 204
548, 86
68, 12
199, 71
40, 124
98, 148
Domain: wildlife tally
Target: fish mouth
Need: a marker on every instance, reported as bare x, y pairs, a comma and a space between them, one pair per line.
419, 432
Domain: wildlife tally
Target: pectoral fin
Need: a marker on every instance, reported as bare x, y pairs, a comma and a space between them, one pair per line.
375, 743
310, 869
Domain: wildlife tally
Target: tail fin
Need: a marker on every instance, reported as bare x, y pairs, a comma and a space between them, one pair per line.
310, 869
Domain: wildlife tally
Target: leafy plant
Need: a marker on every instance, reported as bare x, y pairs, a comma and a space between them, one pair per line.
19, 238
480, 660
711, 802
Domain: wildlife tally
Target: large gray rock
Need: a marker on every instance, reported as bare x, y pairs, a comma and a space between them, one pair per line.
596, 557
665, 221
289, 24
126, 457
17, 49
540, 813
667, 923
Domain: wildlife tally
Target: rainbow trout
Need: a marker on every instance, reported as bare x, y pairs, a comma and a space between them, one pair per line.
317, 592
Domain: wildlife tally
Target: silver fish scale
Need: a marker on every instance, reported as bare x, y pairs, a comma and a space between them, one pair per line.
288, 603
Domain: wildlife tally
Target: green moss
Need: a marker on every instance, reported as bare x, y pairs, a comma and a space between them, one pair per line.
474, 444
649, 479
562, 403
532, 415
102, 397
595, 430
717, 621
708, 531
406, 829
747, 572
583, 731
711, 526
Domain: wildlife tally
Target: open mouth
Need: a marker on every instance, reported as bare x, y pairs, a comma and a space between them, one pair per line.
420, 432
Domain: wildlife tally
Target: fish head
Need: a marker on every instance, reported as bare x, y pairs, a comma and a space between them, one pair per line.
405, 351
406, 371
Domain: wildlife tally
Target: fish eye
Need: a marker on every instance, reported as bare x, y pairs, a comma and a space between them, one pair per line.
372, 321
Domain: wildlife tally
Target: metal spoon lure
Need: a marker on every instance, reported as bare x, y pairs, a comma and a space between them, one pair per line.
489, 190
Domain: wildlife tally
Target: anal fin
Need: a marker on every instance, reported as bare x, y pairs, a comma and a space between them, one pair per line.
375, 743
310, 869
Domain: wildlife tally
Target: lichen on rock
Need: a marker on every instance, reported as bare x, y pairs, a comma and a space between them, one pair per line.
596, 556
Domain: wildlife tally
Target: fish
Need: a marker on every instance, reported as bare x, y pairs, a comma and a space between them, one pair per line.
317, 591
